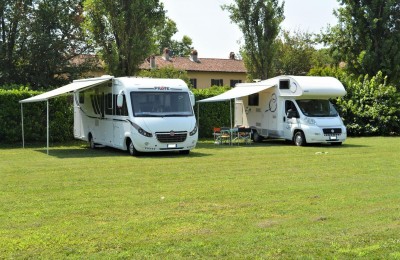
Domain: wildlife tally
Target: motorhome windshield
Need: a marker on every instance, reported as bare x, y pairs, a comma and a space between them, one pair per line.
317, 108
161, 104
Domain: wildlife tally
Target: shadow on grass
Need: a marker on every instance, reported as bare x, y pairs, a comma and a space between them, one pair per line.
86, 152
276, 142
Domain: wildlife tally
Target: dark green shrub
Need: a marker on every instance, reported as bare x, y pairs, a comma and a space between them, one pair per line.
370, 107
215, 114
35, 117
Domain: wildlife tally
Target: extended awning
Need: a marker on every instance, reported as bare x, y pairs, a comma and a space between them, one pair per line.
70, 88
74, 86
236, 92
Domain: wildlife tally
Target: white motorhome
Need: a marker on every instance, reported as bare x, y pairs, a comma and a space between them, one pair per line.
136, 114
295, 108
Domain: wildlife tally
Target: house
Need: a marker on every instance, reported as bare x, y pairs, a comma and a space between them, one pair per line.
203, 72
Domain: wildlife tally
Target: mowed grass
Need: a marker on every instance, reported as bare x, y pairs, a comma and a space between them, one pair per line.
269, 200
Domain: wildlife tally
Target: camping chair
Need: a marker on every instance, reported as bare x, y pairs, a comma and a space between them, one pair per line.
221, 135
225, 135
217, 135
243, 134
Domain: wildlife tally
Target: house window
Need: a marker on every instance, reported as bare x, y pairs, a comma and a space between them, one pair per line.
253, 99
234, 82
217, 82
194, 83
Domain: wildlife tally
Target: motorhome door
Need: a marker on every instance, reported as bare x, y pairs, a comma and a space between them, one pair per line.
290, 119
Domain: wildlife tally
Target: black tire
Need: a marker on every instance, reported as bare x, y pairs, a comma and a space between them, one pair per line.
299, 139
131, 148
92, 144
257, 138
184, 152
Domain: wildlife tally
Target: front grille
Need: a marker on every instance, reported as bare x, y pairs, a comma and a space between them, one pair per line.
332, 131
171, 137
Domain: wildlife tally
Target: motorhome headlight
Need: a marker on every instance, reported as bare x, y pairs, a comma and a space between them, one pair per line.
310, 121
194, 131
143, 132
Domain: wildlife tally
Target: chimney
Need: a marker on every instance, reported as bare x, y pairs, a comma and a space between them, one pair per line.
152, 62
166, 54
193, 56
232, 55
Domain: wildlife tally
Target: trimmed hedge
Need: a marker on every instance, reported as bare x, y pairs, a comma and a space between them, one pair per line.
370, 107
214, 114
35, 117
61, 116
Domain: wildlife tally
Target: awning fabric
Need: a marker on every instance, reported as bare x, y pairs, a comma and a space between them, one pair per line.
74, 86
238, 91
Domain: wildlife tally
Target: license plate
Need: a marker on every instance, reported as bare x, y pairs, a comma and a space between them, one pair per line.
172, 145
333, 138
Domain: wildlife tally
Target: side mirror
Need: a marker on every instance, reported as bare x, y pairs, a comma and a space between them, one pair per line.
292, 114
192, 98
120, 100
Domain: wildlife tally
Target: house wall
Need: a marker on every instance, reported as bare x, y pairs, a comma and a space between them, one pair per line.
204, 78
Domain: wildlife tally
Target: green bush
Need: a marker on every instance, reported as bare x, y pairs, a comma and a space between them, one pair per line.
370, 107
35, 117
214, 114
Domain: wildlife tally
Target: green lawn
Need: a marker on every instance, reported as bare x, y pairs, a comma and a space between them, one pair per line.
270, 200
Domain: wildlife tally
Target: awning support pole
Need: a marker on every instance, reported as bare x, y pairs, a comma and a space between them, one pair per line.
230, 114
48, 128
22, 125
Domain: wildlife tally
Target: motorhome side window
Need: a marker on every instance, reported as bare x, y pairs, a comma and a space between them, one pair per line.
97, 103
122, 111
81, 97
290, 107
254, 99
109, 104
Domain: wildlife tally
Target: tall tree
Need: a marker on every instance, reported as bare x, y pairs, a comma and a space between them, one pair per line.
259, 21
41, 41
124, 31
367, 37
56, 43
295, 52
13, 21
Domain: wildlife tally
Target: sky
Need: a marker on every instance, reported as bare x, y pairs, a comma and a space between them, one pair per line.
213, 34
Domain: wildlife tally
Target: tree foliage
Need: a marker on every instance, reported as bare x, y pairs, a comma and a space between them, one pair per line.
41, 41
123, 31
367, 37
165, 73
370, 106
259, 21
295, 52
163, 36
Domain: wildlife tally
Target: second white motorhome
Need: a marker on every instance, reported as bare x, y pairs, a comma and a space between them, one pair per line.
295, 108
136, 114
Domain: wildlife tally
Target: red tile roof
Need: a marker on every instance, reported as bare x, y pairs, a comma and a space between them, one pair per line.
202, 64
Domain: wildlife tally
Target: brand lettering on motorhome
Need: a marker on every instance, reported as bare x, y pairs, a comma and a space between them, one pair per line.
161, 88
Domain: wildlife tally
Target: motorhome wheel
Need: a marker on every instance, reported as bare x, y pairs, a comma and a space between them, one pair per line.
256, 137
299, 139
131, 148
